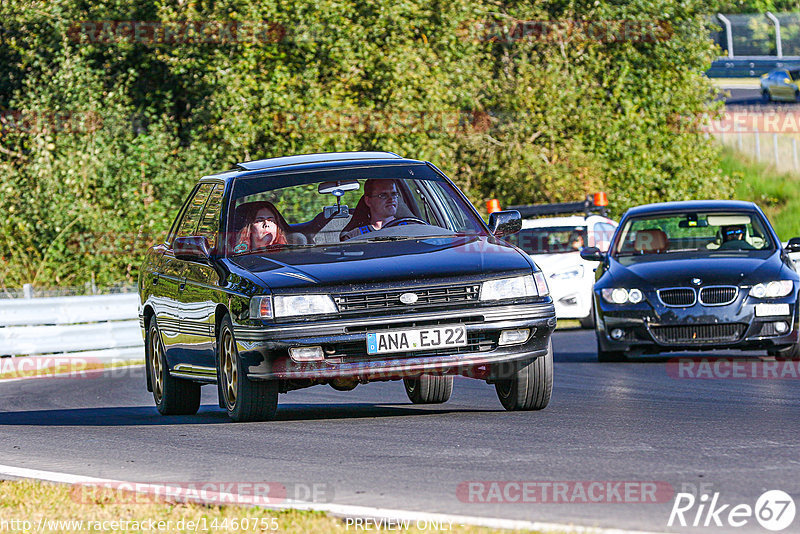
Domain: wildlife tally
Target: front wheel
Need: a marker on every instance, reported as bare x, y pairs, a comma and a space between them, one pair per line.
429, 389
529, 388
607, 356
765, 96
173, 396
244, 399
588, 321
789, 353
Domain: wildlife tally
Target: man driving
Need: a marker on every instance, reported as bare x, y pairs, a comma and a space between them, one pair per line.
733, 238
381, 197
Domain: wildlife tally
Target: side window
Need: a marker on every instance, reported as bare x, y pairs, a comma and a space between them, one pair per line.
191, 215
209, 222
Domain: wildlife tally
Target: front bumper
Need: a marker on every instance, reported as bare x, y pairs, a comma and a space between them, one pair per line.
264, 350
652, 327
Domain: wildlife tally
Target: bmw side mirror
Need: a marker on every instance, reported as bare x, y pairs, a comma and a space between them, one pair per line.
592, 254
503, 223
191, 248
793, 245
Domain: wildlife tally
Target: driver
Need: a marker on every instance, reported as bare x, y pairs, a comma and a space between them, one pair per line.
733, 238
381, 197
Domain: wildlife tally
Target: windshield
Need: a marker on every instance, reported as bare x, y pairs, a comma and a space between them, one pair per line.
552, 240
695, 233
305, 210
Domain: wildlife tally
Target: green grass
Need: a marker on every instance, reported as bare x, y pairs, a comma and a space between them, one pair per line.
777, 193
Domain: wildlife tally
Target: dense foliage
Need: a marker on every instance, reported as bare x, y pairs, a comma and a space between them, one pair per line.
113, 109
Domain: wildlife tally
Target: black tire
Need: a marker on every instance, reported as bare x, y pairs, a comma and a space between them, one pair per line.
765, 96
588, 321
173, 396
429, 389
608, 356
244, 399
789, 353
531, 387
797, 96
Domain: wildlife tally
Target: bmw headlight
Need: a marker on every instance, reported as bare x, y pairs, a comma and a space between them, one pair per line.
293, 305
576, 272
776, 288
509, 288
621, 295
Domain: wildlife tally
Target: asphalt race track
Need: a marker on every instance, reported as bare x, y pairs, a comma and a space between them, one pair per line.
752, 97
371, 447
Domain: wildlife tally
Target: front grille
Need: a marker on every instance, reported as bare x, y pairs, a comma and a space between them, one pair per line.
471, 319
718, 295
698, 334
426, 298
677, 296
353, 352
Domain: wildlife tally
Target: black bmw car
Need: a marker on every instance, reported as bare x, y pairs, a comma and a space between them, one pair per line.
696, 275
340, 269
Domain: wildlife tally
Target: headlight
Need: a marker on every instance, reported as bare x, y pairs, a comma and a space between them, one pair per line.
509, 288
291, 305
620, 295
577, 272
776, 288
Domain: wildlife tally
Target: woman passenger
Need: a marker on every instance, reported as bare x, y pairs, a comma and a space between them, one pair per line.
266, 227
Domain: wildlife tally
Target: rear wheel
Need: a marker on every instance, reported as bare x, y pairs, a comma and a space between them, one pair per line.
429, 389
244, 399
529, 388
765, 96
173, 396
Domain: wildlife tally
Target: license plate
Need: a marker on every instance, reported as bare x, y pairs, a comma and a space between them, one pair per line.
768, 310
437, 337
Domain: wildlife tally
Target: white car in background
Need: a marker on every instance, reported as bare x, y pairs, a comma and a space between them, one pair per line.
554, 244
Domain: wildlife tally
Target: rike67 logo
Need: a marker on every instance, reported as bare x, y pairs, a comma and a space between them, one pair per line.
774, 510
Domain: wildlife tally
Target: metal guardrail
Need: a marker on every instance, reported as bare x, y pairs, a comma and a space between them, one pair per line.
102, 327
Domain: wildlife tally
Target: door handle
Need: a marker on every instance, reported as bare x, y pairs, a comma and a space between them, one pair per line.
155, 279
182, 286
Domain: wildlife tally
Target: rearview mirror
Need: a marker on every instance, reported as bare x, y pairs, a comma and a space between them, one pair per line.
338, 188
503, 223
592, 254
793, 245
191, 248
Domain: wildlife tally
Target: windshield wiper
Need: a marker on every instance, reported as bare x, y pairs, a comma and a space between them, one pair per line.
389, 238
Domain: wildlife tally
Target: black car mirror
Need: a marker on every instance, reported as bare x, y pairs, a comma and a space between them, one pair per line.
592, 254
503, 223
191, 248
793, 245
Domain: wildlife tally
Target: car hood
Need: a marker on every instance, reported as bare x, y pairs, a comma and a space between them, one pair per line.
711, 270
361, 263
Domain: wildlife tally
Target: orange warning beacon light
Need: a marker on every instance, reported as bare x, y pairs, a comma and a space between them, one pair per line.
492, 205
600, 199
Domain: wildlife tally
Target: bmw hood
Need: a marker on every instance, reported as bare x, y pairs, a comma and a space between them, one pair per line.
362, 263
710, 270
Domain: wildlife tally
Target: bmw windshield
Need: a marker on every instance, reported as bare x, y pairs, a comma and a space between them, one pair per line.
663, 235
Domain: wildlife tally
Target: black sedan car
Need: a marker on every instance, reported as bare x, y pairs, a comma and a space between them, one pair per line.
696, 275
340, 269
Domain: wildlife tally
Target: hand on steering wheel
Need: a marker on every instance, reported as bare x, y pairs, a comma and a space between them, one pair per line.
406, 220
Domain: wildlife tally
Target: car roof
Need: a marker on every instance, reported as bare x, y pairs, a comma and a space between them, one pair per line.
691, 205
573, 220
310, 161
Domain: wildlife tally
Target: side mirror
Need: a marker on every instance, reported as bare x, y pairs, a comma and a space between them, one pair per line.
592, 254
793, 245
192, 248
503, 223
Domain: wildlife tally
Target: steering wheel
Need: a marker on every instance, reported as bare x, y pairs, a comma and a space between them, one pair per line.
401, 220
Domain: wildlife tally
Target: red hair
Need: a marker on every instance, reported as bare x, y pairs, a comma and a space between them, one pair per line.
251, 209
